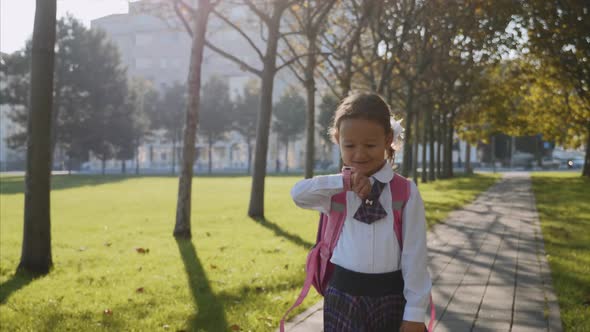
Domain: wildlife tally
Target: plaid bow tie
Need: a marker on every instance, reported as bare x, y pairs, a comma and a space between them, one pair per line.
371, 210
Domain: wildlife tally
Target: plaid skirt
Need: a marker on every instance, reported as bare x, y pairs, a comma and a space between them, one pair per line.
348, 313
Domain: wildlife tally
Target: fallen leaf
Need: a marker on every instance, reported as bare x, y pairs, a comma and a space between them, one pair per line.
82, 249
286, 266
235, 327
107, 244
139, 268
108, 312
208, 234
213, 266
166, 326
142, 250
139, 290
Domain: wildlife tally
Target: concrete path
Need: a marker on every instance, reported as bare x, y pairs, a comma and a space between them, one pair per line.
488, 266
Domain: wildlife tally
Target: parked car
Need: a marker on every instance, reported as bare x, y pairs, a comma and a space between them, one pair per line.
575, 163
550, 163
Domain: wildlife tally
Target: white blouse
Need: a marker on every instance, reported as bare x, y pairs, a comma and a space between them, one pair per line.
373, 248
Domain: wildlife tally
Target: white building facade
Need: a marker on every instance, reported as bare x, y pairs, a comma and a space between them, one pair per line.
158, 50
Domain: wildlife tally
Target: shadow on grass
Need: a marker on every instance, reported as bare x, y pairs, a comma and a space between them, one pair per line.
282, 233
16, 282
11, 185
210, 315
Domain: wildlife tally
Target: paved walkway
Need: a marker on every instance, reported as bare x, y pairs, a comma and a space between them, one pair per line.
488, 267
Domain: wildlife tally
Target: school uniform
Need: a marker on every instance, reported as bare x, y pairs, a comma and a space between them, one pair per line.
373, 287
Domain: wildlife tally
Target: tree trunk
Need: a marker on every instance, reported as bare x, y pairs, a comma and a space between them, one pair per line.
538, 151
69, 165
439, 135
310, 88
468, 169
249, 156
425, 125
493, 157
103, 163
123, 166
415, 142
431, 138
173, 170
256, 206
36, 249
210, 152
586, 170
287, 156
444, 146
182, 228
277, 161
137, 160
449, 150
407, 160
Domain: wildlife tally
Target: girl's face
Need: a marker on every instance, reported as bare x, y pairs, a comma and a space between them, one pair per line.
363, 144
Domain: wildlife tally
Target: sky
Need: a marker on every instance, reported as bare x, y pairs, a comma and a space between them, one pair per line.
17, 17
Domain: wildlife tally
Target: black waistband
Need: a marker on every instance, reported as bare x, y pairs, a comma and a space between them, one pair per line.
367, 284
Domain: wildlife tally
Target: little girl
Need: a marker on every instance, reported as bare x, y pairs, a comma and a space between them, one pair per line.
374, 286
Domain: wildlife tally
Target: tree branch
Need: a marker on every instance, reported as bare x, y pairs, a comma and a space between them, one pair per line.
241, 32
293, 52
242, 64
186, 6
296, 59
181, 17
263, 16
293, 70
330, 86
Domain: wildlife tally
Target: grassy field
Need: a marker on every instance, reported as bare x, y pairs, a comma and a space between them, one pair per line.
565, 221
235, 274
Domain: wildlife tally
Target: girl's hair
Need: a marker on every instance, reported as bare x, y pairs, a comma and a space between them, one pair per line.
363, 105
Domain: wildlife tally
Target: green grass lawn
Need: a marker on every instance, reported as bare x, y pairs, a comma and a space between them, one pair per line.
564, 208
235, 274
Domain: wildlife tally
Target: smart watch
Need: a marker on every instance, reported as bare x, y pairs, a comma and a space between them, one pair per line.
346, 172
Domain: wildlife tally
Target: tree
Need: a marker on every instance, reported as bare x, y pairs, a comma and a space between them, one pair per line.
199, 16
216, 108
246, 114
327, 110
269, 14
311, 20
558, 37
107, 100
289, 120
341, 41
36, 255
131, 124
168, 115
88, 78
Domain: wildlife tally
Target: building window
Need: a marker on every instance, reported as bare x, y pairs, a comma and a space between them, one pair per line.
143, 63
143, 39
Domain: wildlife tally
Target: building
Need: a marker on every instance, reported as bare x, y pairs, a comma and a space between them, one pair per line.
158, 49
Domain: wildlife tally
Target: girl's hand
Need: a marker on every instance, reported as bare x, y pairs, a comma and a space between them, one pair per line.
408, 326
360, 184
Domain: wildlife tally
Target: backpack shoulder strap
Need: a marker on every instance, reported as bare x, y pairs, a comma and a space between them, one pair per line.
400, 193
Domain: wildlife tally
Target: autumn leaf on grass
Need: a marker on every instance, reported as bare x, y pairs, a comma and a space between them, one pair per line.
108, 312
139, 290
235, 327
142, 250
213, 266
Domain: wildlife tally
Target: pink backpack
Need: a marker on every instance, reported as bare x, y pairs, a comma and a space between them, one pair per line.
319, 268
